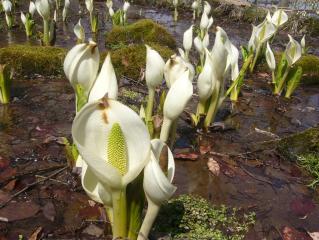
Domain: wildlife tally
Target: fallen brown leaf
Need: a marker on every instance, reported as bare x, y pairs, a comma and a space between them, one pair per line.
49, 211
213, 167
18, 211
34, 235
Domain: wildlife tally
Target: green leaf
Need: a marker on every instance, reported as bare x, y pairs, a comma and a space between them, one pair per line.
81, 97
293, 81
282, 66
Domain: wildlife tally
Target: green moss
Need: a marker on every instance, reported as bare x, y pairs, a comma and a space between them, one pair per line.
192, 217
300, 143
131, 98
140, 32
129, 61
310, 162
310, 68
27, 60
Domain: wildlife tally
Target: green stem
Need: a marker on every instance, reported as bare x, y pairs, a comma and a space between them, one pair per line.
165, 129
234, 94
151, 214
46, 32
273, 77
252, 66
150, 103
119, 226
175, 14
109, 213
173, 133
212, 110
279, 88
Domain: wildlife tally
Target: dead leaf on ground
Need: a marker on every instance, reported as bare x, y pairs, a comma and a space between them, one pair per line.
49, 211
314, 235
185, 154
289, 233
18, 211
34, 235
4, 196
7, 173
302, 207
203, 149
213, 166
4, 163
10, 186
93, 230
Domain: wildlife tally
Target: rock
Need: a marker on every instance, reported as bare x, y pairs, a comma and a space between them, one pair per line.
299, 143
29, 60
130, 60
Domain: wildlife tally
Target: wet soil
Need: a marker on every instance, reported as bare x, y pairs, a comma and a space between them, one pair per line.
252, 177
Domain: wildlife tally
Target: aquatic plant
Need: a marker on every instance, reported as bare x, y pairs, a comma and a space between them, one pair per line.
121, 145
195, 7
27, 19
5, 83
286, 74
7, 8
175, 5
93, 16
44, 9
65, 10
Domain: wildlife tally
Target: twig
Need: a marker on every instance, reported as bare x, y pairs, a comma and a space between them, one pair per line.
32, 172
255, 177
51, 179
31, 185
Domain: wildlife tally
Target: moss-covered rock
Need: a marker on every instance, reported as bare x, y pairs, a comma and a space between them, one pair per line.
298, 144
193, 218
129, 61
28, 60
140, 32
310, 68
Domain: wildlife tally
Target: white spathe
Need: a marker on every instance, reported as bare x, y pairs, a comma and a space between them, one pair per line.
7, 6
204, 83
178, 96
81, 65
93, 188
207, 8
126, 6
232, 60
90, 130
32, 8
154, 68
89, 5
270, 58
188, 39
293, 51
79, 31
204, 21
279, 18
43, 8
23, 18
174, 67
105, 83
158, 187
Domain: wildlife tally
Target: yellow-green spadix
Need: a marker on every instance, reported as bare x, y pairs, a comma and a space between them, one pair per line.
112, 140
105, 83
81, 65
157, 184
